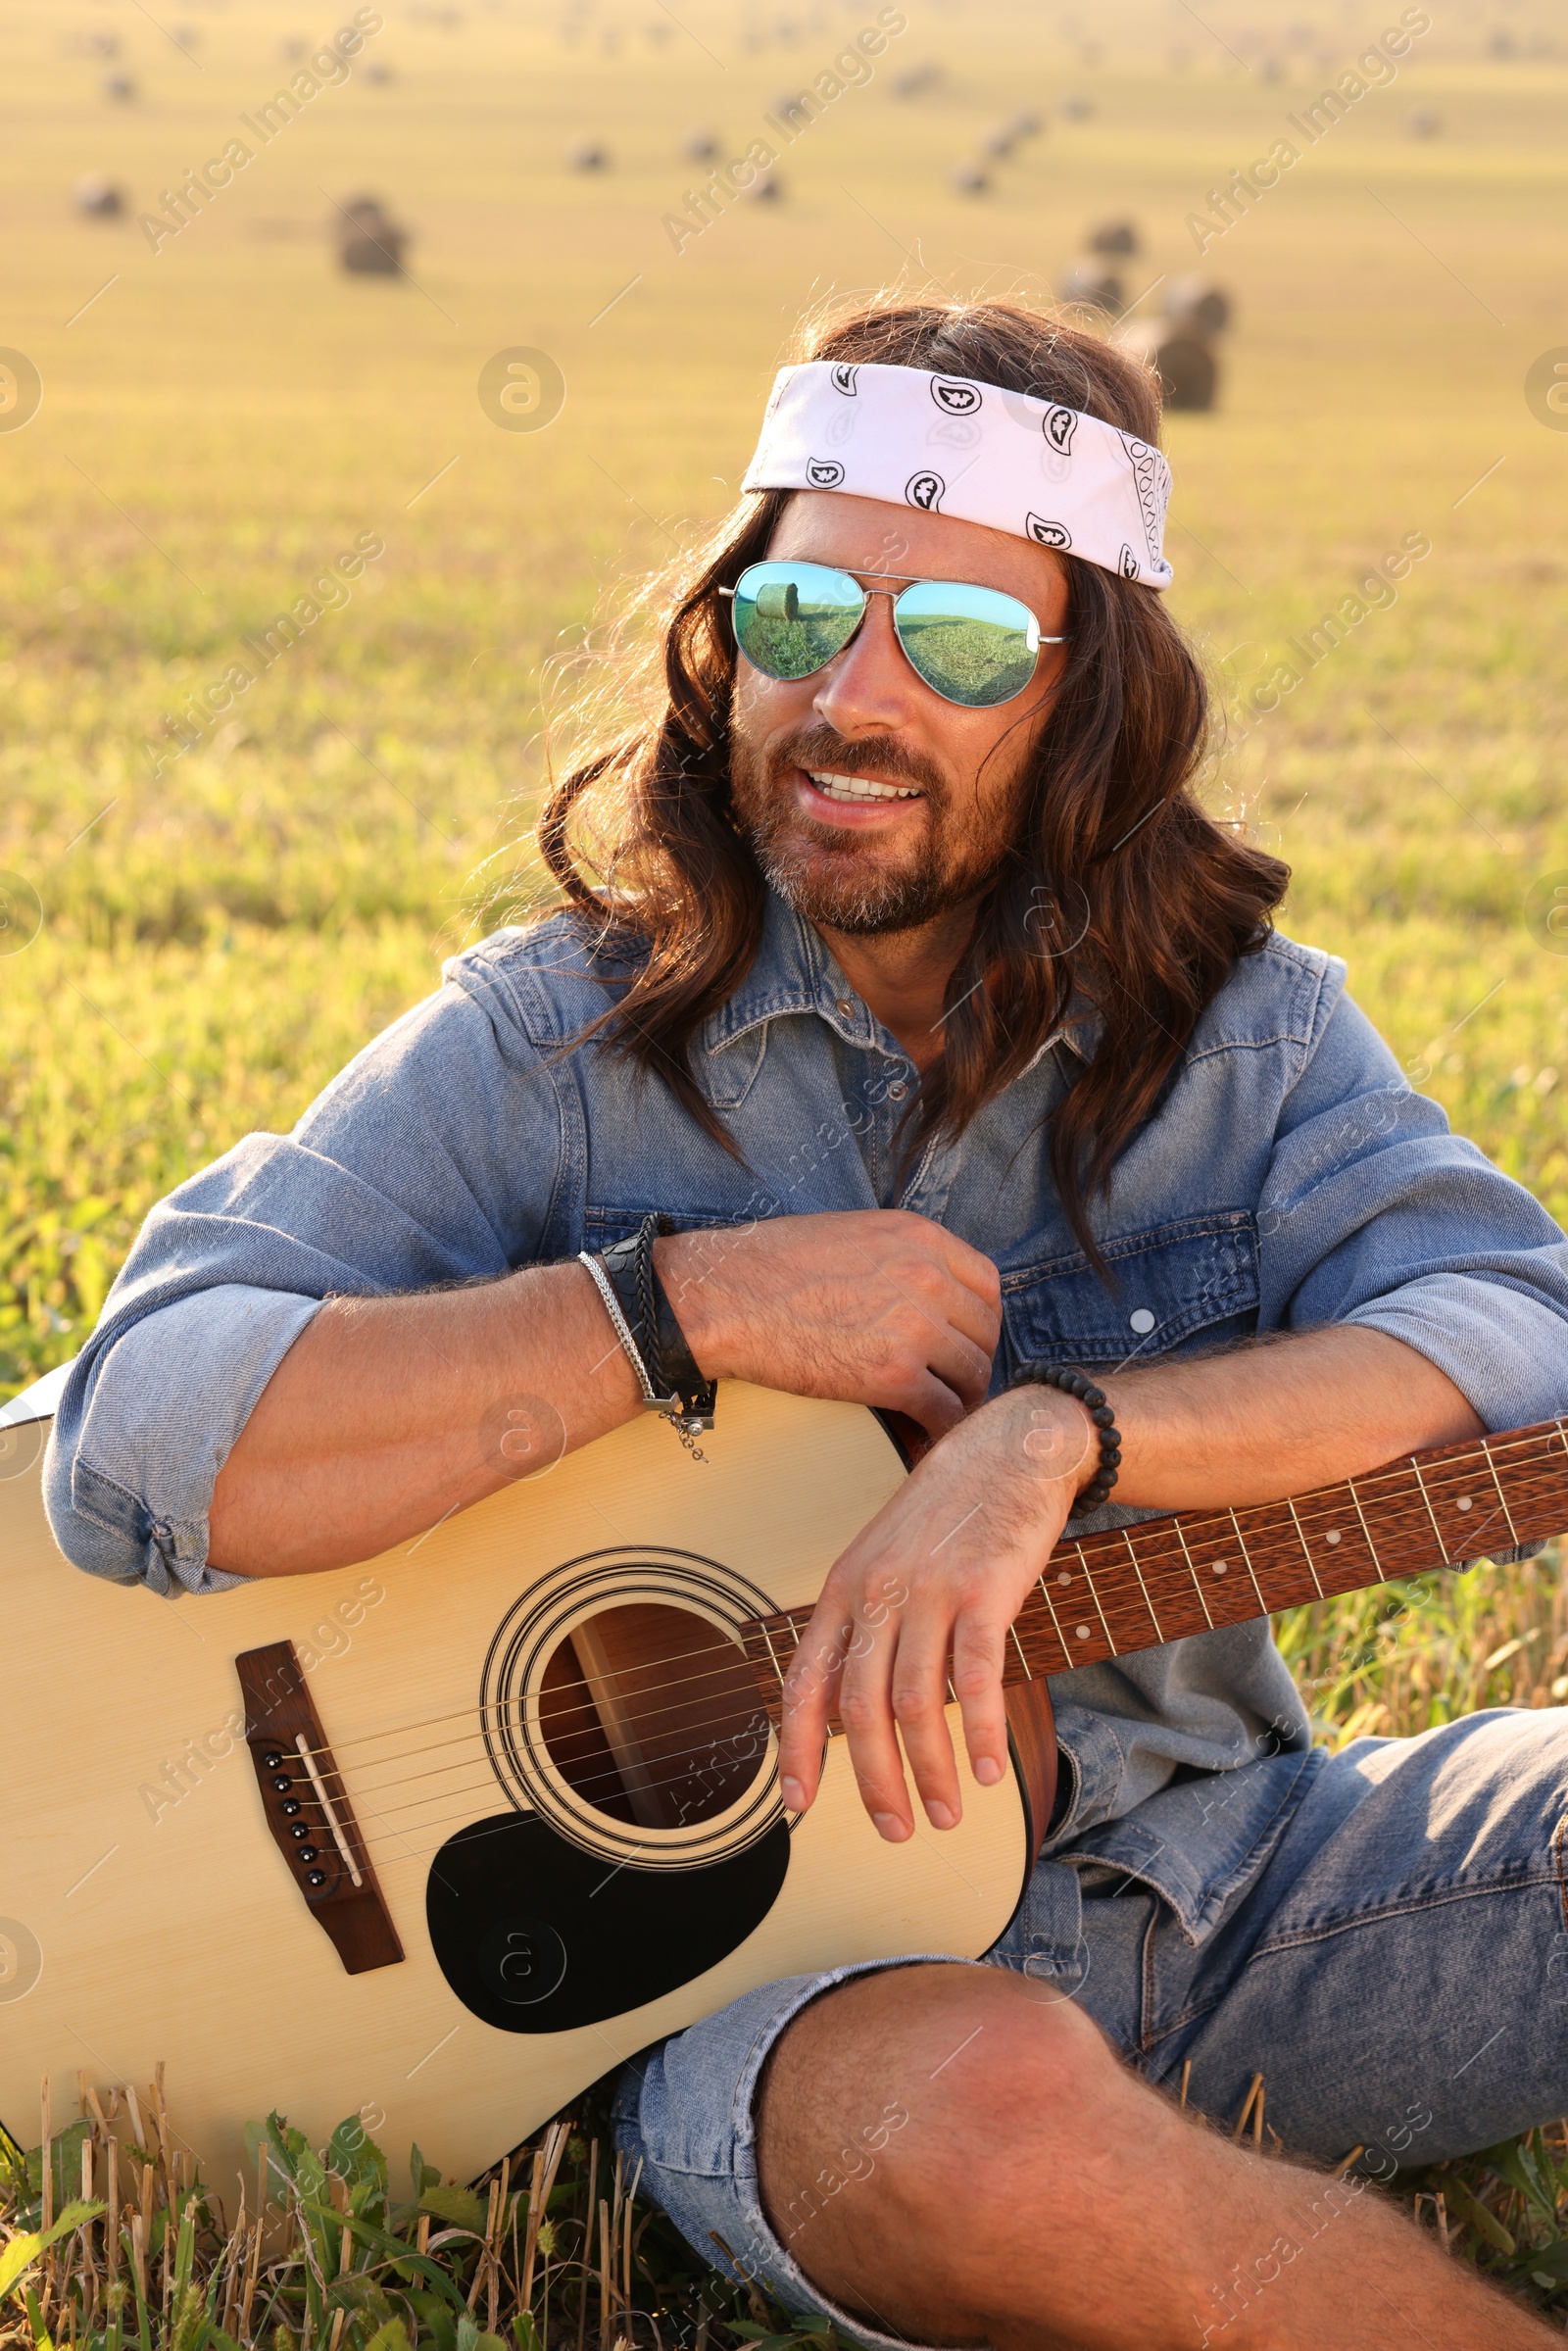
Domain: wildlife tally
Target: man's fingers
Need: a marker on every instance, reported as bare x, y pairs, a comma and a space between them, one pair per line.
965, 1367
810, 1696
932, 1402
867, 1712
978, 1648
919, 1696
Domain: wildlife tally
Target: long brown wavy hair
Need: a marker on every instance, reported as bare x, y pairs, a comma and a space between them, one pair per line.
1124, 898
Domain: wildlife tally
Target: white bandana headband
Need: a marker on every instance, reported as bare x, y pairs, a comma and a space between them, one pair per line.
952, 446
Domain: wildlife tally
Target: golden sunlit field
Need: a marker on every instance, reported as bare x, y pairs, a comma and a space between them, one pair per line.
199, 932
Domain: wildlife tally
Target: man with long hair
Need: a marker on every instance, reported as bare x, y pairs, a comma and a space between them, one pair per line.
903, 978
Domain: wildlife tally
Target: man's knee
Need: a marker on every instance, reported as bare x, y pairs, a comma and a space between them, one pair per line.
920, 2090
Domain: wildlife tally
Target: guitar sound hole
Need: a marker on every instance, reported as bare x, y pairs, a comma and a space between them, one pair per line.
651, 1715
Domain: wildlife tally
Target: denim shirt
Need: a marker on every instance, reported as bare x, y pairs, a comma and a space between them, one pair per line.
1290, 1178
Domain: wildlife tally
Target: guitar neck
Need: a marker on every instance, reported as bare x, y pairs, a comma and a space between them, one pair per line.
1134, 1588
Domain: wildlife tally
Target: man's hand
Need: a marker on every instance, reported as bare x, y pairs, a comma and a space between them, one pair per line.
872, 1306
946, 1565
939, 1574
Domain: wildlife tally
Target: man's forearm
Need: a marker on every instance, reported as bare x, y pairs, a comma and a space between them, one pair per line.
1278, 1417
387, 1414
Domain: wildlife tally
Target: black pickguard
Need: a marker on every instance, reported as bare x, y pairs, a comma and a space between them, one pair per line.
535, 1935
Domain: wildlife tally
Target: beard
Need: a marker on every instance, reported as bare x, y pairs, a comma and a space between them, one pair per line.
839, 878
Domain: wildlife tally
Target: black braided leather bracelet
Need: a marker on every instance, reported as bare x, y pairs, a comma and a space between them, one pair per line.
679, 1388
1093, 1399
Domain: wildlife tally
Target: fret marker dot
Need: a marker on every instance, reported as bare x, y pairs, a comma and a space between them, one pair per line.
1064, 1577
1463, 1503
1333, 1535
1082, 1632
1220, 1566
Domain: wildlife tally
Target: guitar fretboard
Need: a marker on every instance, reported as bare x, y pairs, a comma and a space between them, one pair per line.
1134, 1588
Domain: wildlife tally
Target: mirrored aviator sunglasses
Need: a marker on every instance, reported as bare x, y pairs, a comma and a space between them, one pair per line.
971, 645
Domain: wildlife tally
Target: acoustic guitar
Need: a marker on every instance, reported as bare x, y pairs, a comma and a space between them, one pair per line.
439, 1839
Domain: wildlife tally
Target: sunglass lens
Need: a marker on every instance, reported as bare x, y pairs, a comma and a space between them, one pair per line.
791, 618
973, 645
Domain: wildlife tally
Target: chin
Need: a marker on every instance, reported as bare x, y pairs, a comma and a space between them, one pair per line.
849, 891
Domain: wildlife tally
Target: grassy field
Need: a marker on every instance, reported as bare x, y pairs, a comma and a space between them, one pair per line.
198, 940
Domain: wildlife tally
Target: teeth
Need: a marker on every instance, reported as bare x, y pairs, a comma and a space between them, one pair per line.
858, 787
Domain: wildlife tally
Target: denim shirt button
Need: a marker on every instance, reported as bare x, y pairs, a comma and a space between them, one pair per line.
1141, 1320
844, 1005
897, 1091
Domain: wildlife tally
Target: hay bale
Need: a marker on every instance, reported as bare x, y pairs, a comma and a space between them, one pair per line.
766, 188
916, 81
700, 146
1200, 306
968, 180
1184, 361
1089, 281
97, 198
1422, 123
370, 244
999, 140
587, 155
1076, 107
120, 87
1118, 237
1027, 123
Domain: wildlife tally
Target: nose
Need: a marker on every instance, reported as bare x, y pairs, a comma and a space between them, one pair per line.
870, 688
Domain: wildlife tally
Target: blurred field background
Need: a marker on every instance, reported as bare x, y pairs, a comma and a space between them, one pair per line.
222, 416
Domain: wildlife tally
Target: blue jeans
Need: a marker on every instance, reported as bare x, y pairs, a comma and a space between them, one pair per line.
1393, 1960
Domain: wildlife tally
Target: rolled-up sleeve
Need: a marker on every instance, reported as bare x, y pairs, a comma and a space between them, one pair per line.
435, 1158
1374, 1212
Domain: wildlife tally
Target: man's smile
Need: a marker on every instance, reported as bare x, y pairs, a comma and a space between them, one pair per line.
832, 797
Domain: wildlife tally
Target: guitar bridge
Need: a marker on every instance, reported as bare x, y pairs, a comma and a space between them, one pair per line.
308, 1811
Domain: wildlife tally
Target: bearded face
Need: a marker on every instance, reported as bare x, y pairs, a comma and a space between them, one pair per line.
872, 803
935, 850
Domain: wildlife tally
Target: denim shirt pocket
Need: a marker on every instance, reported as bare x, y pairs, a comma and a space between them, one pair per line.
1167, 1285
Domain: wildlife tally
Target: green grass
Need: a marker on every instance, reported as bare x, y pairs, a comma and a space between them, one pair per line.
223, 930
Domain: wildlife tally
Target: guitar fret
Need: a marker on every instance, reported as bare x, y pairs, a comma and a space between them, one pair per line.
1485, 1448
1443, 1549
1350, 1488
1126, 1536
1094, 1596
1247, 1561
1192, 1572
1306, 1549
1061, 1638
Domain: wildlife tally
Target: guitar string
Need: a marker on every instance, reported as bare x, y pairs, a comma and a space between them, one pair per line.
1106, 1581
1178, 1590
584, 1785
1328, 1499
691, 1767
564, 1741
393, 1836
393, 1842
1113, 1588
756, 1718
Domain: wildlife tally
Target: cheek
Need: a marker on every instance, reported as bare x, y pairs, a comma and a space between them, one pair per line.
765, 705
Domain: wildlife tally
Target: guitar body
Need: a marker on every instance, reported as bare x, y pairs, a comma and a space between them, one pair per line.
524, 1751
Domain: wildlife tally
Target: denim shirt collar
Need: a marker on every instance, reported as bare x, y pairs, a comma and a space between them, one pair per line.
794, 971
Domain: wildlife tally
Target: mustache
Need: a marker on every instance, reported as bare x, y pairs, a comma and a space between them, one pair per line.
883, 757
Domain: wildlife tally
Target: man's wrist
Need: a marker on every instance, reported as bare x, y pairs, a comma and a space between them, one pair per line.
683, 1265
1056, 1435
